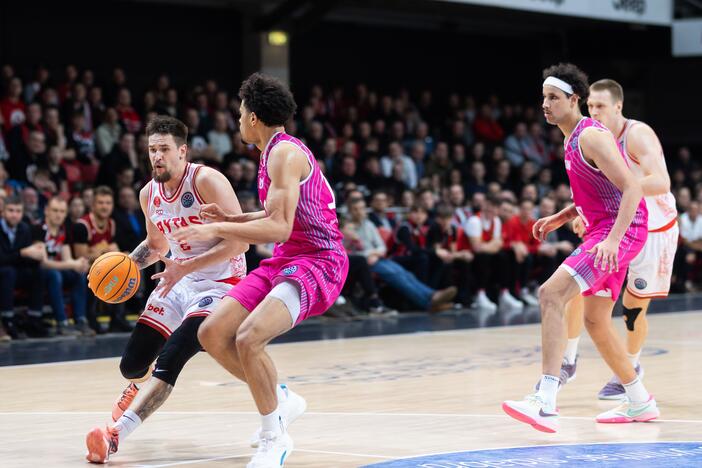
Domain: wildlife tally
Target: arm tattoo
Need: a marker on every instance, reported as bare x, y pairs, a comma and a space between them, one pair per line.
157, 397
142, 255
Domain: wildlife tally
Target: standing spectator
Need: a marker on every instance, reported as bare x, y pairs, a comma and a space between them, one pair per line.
108, 133
484, 231
19, 267
94, 235
371, 246
61, 271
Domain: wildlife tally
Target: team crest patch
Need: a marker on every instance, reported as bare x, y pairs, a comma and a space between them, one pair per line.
157, 202
640, 283
576, 252
289, 270
205, 301
187, 199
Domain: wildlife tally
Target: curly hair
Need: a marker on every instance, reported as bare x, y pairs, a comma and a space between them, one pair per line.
268, 98
167, 125
571, 75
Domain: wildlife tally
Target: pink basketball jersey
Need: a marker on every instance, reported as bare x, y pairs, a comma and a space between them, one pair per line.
316, 227
595, 197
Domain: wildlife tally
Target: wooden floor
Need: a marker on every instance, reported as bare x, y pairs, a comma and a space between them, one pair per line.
370, 400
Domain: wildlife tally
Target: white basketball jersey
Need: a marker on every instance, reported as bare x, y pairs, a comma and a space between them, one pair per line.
180, 210
661, 208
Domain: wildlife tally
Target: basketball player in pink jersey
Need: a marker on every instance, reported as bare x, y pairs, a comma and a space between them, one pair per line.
302, 279
609, 199
197, 275
650, 272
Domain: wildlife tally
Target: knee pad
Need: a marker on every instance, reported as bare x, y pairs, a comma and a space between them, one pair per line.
180, 347
630, 316
140, 353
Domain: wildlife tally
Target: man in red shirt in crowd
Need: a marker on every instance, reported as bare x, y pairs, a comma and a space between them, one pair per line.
11, 106
519, 248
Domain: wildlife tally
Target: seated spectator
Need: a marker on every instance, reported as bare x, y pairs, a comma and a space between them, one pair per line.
439, 162
486, 127
409, 246
130, 225
484, 231
519, 249
457, 200
218, 137
108, 133
60, 270
19, 268
123, 154
395, 158
81, 140
558, 244
477, 182
520, 147
371, 245
451, 255
379, 212
128, 116
12, 107
690, 251
94, 235
31, 203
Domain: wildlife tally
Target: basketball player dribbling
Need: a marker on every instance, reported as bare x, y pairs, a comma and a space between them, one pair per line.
651, 271
609, 199
302, 279
197, 275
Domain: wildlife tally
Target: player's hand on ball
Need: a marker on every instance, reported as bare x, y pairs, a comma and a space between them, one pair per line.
606, 255
169, 277
213, 212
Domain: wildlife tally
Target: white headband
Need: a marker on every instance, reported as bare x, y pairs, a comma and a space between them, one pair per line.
558, 83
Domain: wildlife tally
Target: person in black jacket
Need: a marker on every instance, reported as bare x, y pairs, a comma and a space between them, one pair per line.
19, 267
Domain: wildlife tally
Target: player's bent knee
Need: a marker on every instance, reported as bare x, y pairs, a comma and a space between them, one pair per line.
179, 349
134, 368
248, 340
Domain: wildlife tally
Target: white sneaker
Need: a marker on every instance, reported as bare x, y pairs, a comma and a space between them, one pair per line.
529, 298
291, 408
629, 412
272, 451
482, 301
534, 411
509, 301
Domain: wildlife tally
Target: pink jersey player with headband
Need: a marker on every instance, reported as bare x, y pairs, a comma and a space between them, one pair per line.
314, 255
597, 201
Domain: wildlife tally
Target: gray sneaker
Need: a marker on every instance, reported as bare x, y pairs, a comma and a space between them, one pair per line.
567, 374
614, 390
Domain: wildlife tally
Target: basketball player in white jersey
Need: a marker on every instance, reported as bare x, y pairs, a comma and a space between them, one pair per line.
650, 272
197, 275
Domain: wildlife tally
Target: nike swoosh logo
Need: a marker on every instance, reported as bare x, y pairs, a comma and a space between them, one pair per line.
636, 412
546, 415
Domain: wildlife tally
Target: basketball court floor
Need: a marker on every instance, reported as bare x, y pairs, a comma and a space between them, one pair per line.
421, 399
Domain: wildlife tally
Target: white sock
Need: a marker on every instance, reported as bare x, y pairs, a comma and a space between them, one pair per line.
281, 394
127, 423
634, 358
273, 422
548, 389
636, 391
571, 350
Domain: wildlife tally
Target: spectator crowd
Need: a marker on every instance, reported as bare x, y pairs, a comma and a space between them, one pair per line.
436, 194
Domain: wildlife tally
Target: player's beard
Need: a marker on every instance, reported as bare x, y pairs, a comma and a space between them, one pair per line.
164, 177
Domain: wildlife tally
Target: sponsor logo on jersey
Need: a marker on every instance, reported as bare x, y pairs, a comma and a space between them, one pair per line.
154, 309
640, 283
157, 201
187, 199
290, 270
205, 301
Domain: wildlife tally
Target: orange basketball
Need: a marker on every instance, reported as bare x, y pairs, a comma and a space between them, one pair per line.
114, 277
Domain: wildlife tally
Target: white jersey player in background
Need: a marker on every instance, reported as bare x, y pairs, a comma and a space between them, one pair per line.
197, 275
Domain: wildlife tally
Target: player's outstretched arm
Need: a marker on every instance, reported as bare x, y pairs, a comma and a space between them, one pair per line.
287, 166
643, 144
147, 253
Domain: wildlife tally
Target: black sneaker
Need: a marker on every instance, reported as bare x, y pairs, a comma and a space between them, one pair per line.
13, 330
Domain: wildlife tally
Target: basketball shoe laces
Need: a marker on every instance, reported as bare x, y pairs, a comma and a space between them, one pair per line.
127, 396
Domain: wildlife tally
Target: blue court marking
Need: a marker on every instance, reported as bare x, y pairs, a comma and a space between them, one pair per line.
625, 455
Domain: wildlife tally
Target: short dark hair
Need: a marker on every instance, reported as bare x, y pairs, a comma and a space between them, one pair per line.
268, 98
102, 190
444, 211
614, 88
571, 75
13, 200
167, 125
